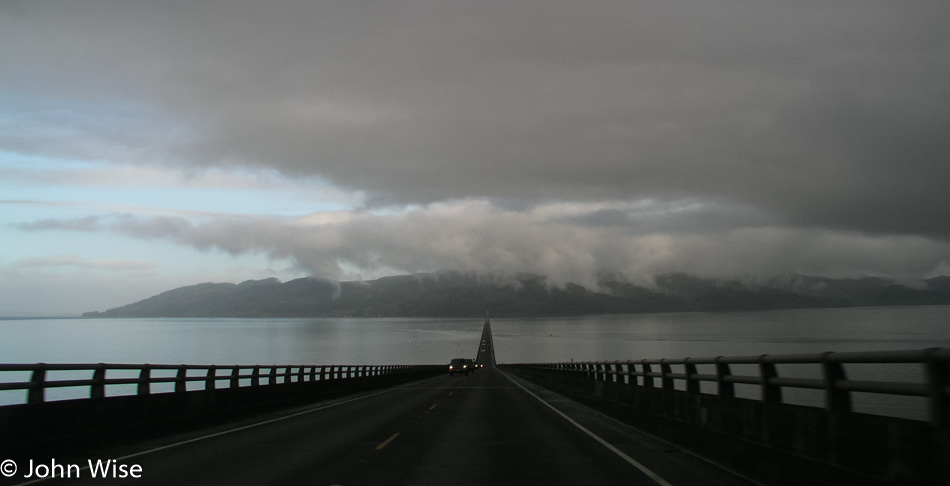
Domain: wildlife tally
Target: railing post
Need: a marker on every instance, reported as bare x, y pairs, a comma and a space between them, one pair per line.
181, 382
287, 374
324, 374
767, 371
724, 388
938, 380
272, 376
98, 387
647, 379
145, 378
37, 393
313, 373
836, 400
235, 377
665, 380
631, 379
300, 375
256, 376
210, 378
692, 385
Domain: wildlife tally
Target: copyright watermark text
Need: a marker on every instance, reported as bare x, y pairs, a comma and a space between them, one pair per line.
98, 468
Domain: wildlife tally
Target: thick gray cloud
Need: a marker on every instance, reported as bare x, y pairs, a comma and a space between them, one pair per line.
797, 123
481, 238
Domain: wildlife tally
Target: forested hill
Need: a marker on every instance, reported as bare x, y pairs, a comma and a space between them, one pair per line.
454, 294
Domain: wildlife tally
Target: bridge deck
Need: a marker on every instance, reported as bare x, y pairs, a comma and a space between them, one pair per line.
486, 427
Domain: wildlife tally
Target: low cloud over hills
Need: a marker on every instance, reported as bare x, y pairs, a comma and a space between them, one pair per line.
457, 294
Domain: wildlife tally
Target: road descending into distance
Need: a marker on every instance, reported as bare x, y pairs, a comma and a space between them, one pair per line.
483, 428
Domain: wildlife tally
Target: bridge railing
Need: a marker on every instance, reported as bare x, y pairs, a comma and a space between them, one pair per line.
97, 404
209, 377
740, 411
837, 388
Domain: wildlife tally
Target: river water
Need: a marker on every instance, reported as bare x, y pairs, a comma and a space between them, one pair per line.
434, 340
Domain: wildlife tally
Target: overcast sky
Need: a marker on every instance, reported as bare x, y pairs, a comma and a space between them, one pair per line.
147, 145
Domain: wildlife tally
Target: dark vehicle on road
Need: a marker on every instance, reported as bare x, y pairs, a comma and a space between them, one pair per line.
471, 365
460, 365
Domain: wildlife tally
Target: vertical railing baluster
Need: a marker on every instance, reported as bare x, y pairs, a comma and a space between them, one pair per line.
647, 377
235, 381
692, 384
210, 378
98, 387
938, 381
37, 391
770, 393
724, 389
145, 380
836, 399
181, 382
256, 376
665, 370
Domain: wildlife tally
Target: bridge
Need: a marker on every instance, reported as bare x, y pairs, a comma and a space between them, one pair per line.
647, 422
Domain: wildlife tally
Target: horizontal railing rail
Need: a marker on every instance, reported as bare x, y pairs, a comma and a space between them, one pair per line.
236, 376
837, 387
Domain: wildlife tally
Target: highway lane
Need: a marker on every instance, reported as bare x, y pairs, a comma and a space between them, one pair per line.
483, 427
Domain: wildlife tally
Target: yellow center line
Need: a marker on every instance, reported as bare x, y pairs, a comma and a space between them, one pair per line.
433, 406
387, 441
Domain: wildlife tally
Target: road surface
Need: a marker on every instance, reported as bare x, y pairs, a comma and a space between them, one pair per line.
483, 428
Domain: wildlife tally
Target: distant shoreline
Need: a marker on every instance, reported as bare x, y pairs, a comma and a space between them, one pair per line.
746, 311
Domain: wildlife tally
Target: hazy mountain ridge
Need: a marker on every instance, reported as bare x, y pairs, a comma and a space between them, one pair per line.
456, 294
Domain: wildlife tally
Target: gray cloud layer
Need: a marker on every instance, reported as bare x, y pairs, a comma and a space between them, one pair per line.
485, 239
798, 123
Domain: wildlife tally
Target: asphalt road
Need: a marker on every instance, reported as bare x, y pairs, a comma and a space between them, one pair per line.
483, 428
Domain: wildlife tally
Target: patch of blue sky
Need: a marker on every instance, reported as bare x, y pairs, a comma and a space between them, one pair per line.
46, 179
166, 257
29, 111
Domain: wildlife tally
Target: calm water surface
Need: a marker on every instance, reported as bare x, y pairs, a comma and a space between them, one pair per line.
431, 340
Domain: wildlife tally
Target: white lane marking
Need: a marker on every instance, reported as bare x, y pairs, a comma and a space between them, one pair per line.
238, 429
645, 470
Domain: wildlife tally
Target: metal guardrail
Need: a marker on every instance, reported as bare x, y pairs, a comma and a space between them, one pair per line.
209, 375
834, 382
